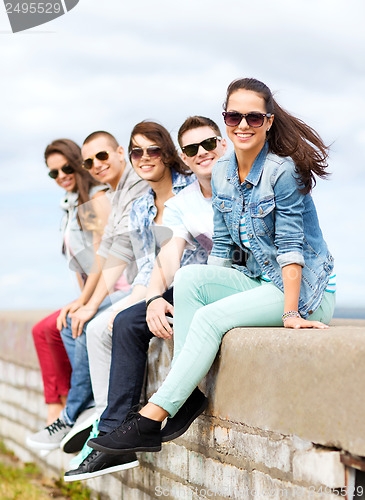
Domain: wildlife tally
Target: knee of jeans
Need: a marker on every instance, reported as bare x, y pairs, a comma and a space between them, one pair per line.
185, 276
121, 320
66, 333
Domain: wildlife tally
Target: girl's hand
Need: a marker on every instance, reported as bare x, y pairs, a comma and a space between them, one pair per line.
302, 323
69, 309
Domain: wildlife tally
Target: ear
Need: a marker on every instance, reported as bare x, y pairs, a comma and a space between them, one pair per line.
183, 157
269, 122
224, 145
121, 154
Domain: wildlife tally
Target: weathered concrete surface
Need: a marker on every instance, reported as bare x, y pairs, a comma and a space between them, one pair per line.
309, 383
237, 449
16, 336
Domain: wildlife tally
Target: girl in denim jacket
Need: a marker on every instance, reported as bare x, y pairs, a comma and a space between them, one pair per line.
262, 204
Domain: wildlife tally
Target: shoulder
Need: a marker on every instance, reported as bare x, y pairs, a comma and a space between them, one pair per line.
180, 198
97, 191
143, 201
281, 173
180, 181
280, 163
130, 178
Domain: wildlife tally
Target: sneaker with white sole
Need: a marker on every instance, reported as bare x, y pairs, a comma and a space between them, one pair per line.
50, 437
98, 463
77, 436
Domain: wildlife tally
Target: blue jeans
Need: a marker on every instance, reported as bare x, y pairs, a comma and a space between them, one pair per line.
80, 395
130, 341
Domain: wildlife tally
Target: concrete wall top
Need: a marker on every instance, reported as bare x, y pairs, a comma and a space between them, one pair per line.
309, 383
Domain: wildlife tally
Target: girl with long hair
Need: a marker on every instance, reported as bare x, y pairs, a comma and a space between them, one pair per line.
85, 213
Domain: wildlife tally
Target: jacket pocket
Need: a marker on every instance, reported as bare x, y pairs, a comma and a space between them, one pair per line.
223, 204
262, 215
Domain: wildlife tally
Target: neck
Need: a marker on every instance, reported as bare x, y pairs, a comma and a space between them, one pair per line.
162, 188
205, 186
114, 183
245, 160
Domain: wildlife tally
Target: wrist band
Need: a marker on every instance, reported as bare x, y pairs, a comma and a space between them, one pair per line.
290, 314
148, 302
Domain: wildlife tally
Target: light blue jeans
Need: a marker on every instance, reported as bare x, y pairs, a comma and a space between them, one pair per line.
208, 302
80, 395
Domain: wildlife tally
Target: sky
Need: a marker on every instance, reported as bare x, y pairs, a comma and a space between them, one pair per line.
109, 65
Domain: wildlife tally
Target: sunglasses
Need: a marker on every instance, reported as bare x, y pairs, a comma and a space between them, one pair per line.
66, 169
152, 151
208, 144
234, 118
89, 162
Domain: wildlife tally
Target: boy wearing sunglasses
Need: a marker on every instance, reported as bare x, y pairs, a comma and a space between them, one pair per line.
190, 216
105, 160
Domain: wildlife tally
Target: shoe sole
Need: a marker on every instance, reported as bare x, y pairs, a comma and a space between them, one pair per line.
110, 470
178, 433
42, 446
75, 432
76, 442
118, 451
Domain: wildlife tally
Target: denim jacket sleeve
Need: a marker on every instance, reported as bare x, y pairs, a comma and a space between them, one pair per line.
143, 249
223, 245
289, 208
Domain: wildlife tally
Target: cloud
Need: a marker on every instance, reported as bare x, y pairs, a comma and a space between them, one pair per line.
109, 65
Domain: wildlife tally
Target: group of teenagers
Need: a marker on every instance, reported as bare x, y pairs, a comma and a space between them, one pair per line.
177, 246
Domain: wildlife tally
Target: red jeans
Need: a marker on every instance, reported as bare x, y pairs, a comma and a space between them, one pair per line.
53, 359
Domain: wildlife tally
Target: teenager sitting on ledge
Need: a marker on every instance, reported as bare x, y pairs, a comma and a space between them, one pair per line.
262, 202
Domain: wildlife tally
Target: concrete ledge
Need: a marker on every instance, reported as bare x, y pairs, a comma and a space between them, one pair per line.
283, 404
309, 383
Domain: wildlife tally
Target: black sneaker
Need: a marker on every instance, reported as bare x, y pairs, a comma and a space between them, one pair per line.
74, 441
97, 464
137, 433
190, 410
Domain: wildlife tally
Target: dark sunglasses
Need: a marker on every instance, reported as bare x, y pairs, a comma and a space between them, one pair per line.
152, 151
234, 118
89, 162
208, 144
66, 169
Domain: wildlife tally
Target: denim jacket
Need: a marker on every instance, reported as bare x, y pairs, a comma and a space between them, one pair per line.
282, 225
147, 237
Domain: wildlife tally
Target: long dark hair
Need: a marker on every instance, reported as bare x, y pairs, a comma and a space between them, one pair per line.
289, 136
72, 152
158, 134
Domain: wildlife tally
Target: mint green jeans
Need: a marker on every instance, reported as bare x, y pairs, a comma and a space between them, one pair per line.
209, 301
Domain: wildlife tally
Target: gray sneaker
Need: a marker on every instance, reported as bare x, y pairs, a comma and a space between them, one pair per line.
50, 437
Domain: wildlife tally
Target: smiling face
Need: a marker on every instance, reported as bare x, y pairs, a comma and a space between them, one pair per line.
150, 169
56, 161
106, 171
202, 163
247, 140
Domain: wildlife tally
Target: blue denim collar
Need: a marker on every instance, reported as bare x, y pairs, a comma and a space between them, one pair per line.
179, 181
255, 172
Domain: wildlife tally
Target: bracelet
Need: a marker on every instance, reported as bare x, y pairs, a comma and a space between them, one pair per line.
290, 314
148, 302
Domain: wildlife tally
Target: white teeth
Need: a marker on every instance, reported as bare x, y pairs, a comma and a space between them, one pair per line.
205, 162
244, 135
